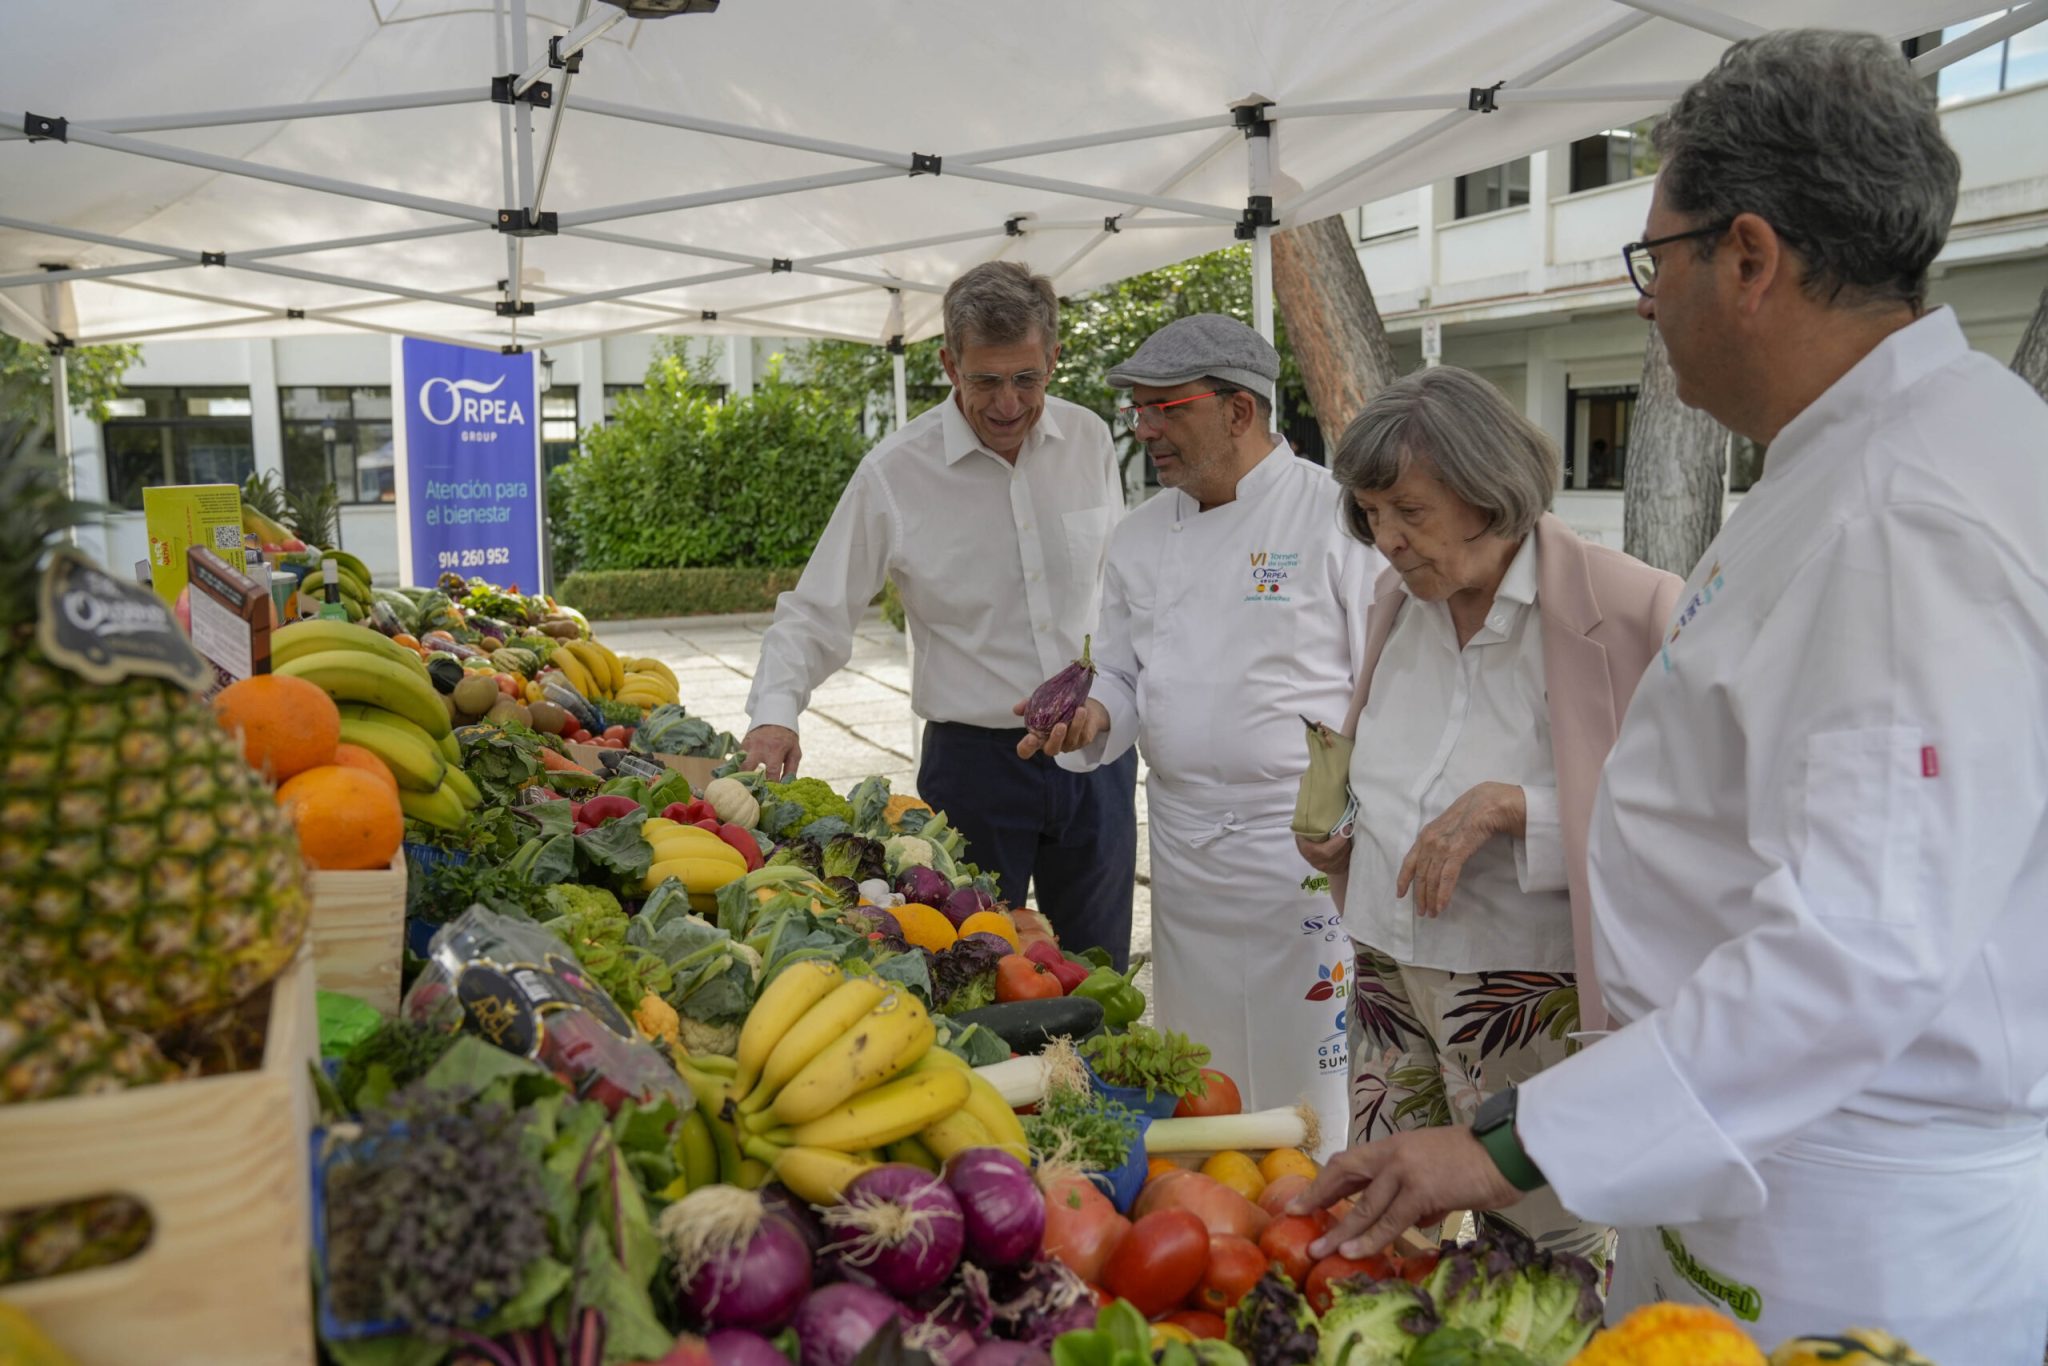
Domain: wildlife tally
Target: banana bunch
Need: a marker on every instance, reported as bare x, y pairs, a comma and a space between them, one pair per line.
649, 683
351, 576
592, 669
389, 707
701, 859
707, 1147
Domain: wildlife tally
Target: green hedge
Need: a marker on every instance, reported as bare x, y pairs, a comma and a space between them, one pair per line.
619, 593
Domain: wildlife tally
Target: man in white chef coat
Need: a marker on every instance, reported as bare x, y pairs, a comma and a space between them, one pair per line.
1233, 605
1819, 856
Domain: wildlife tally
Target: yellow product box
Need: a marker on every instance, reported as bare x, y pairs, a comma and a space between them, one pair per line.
181, 516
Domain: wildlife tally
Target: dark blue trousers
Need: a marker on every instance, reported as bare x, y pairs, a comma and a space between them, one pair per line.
1072, 836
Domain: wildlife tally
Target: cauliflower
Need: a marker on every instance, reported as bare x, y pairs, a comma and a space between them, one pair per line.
907, 851
698, 1037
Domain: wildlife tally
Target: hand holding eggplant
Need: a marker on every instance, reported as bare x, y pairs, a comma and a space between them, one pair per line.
1077, 732
1058, 714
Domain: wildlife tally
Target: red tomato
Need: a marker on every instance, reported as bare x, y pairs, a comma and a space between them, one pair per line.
1416, 1267
1235, 1265
1200, 1322
1081, 1226
1280, 1192
616, 732
1220, 1099
1337, 1267
1159, 1262
1286, 1242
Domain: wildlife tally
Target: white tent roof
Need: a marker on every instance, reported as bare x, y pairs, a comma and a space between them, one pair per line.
692, 156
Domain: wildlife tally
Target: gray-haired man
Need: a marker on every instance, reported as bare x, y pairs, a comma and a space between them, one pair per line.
1819, 854
992, 513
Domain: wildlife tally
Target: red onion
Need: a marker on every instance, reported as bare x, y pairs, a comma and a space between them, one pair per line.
738, 1347
1003, 1211
837, 1321
900, 1226
795, 1211
965, 901
735, 1266
924, 886
995, 1353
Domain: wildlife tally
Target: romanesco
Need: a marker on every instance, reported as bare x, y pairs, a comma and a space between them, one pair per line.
814, 797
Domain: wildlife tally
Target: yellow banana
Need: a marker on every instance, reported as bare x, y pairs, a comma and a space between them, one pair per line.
465, 790
317, 634
644, 664
597, 661
641, 695
888, 1039
440, 808
883, 1114
613, 669
993, 1113
451, 748
354, 676
911, 1151
412, 758
574, 670
700, 876
955, 1133
818, 1175
838, 1012
781, 1004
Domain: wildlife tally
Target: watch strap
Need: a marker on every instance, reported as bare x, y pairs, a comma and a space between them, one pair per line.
1494, 1126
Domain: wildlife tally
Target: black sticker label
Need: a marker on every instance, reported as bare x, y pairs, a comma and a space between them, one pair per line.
105, 630
498, 1010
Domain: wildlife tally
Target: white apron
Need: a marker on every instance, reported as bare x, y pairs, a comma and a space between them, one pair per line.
1935, 1233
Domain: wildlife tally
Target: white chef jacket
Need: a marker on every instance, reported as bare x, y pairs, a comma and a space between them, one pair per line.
1438, 722
1819, 854
1290, 639
999, 566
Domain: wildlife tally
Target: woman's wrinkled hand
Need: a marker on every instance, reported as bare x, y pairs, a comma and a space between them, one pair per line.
1440, 851
1327, 856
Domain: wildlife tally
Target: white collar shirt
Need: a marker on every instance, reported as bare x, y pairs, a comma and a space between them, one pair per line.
1819, 854
1438, 722
999, 565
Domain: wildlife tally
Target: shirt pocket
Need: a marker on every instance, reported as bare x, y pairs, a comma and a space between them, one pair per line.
1862, 859
1087, 536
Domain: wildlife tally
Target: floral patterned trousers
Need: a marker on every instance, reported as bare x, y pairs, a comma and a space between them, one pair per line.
1428, 1046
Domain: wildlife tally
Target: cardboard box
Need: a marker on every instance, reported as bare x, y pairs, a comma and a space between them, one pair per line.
181, 516
231, 615
698, 771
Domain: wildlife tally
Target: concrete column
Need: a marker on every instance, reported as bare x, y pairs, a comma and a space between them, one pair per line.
589, 384
739, 365
1427, 201
1544, 396
1543, 187
266, 417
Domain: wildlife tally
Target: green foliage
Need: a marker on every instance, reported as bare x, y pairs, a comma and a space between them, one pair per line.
92, 374
678, 479
613, 595
1169, 1061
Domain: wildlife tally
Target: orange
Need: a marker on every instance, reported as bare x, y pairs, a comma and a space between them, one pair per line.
924, 926
345, 817
287, 725
355, 756
1237, 1171
1159, 1166
1287, 1162
991, 922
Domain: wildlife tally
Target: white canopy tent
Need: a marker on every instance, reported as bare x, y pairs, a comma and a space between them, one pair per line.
539, 172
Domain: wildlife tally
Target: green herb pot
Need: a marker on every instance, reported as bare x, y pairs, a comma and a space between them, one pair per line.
1160, 1106
1123, 1184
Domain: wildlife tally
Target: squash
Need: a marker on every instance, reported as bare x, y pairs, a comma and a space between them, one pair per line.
925, 927
733, 803
1857, 1347
893, 813
1672, 1335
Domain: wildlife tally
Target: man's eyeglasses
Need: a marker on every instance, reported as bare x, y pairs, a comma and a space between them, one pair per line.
1642, 267
1131, 414
1026, 382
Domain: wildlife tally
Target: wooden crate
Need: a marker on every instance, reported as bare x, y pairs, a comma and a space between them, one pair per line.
221, 1164
359, 932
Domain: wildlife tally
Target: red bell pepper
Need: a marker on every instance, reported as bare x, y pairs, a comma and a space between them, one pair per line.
1044, 953
598, 810
1069, 973
739, 839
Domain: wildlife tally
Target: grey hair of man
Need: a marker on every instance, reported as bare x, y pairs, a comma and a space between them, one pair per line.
1000, 303
1830, 139
1465, 433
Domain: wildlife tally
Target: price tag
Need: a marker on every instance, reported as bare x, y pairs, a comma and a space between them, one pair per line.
104, 630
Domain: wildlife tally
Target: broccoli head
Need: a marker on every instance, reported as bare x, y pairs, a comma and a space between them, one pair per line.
1273, 1325
853, 856
1374, 1323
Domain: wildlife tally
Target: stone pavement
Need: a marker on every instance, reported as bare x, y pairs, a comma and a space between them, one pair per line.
859, 721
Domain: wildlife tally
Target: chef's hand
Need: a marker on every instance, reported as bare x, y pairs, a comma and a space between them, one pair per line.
1410, 1179
1332, 855
772, 749
1440, 851
1076, 732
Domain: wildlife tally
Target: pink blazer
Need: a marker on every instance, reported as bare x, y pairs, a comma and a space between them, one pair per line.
1603, 615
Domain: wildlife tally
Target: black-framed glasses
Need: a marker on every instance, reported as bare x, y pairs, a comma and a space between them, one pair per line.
1134, 413
1642, 267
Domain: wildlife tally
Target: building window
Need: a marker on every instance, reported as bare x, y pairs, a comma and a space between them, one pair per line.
1613, 156
558, 426
612, 394
1497, 187
157, 436
335, 434
1597, 426
2019, 60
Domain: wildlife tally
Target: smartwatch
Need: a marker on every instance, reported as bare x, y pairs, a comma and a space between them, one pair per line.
1494, 1127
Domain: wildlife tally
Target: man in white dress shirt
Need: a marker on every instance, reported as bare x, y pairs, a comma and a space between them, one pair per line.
992, 513
1819, 856
1234, 604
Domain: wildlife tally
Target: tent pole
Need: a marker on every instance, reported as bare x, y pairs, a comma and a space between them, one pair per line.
28, 322
1108, 196
1139, 134
547, 156
1977, 39
646, 287
1123, 224
902, 386
522, 125
678, 248
90, 273
261, 254
60, 418
278, 113
1258, 146
899, 161
911, 245
1187, 168
1697, 16
586, 32
881, 281
766, 189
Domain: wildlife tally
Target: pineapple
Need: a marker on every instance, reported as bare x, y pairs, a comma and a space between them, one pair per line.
144, 867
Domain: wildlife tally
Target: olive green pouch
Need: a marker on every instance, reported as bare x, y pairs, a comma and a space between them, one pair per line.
1324, 806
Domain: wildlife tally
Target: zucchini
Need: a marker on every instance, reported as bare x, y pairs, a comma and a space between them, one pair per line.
1028, 1026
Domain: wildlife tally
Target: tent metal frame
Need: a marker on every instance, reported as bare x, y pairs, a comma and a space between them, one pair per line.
524, 181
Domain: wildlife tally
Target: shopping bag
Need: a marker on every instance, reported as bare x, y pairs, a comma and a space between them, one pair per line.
1324, 806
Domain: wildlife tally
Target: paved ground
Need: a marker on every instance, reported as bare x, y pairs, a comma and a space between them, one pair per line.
859, 722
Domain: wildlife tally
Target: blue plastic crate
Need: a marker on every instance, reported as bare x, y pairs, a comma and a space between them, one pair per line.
333, 1327
1123, 1184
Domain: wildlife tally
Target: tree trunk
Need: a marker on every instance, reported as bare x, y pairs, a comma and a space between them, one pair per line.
1676, 475
1333, 325
2030, 361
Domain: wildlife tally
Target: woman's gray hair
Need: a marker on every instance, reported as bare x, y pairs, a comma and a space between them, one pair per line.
1831, 140
1468, 434
1000, 303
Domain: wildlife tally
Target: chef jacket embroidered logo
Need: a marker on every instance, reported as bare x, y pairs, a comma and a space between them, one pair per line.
1333, 1053
1270, 570
1698, 603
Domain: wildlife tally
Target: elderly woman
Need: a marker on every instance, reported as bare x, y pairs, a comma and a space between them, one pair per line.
1501, 651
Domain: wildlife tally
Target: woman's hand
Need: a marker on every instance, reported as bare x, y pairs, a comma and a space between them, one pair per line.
1406, 1180
1332, 855
1440, 851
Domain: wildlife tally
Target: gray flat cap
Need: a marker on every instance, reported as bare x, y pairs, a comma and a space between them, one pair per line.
1202, 345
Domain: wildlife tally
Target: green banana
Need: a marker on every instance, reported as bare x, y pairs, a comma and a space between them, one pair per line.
451, 748
699, 1153
412, 758
440, 808
465, 791
317, 635
355, 676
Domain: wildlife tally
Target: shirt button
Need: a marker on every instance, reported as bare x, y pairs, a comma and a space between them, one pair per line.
1036, 576
1043, 629
1023, 526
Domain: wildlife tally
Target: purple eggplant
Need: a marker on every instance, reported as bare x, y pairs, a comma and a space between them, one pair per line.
1059, 697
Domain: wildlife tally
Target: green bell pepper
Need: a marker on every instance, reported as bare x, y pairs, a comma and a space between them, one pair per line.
1121, 1002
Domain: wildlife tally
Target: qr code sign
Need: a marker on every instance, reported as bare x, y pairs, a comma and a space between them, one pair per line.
226, 537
